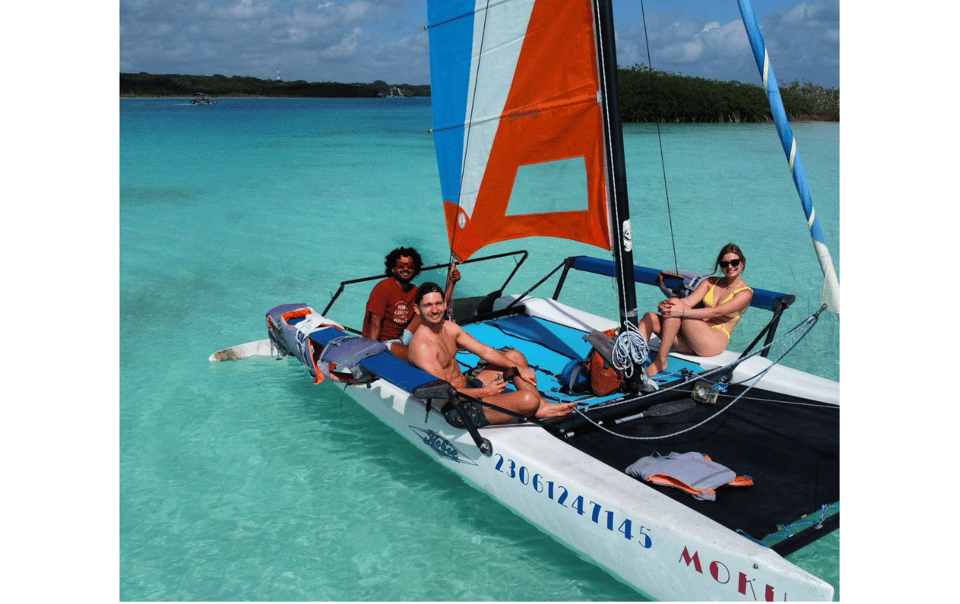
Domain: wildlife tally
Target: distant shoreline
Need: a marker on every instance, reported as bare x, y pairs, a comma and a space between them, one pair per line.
146, 85
646, 96
797, 120
276, 98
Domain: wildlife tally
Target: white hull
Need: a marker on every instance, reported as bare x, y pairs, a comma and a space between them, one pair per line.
260, 348
660, 547
778, 379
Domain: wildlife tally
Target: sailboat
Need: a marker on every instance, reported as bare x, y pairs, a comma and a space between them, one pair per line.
522, 87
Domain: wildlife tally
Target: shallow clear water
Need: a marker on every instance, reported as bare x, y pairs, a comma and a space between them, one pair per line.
243, 481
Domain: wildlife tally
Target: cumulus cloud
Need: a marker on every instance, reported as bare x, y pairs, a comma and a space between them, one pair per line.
803, 41
366, 40
244, 9
313, 40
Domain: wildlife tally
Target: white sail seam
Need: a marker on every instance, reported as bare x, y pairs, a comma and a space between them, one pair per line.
505, 32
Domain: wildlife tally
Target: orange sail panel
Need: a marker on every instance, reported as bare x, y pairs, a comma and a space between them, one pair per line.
548, 115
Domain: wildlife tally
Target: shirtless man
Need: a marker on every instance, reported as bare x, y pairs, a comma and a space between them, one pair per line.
434, 349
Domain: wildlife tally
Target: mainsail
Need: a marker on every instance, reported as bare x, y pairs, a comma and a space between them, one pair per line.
502, 107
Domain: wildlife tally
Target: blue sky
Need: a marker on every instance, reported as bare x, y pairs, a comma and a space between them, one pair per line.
367, 40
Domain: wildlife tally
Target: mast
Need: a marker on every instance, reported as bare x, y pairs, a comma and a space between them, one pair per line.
620, 232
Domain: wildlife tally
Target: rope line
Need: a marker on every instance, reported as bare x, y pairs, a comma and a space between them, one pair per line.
784, 530
468, 128
630, 349
805, 326
663, 163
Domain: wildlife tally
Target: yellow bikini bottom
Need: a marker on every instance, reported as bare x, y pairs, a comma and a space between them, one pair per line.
723, 329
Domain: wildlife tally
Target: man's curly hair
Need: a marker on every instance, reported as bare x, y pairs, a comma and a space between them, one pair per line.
392, 257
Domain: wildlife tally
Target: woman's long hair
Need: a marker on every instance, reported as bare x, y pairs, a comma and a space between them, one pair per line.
730, 248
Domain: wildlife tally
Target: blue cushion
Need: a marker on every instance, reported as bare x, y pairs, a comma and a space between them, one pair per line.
398, 372
762, 298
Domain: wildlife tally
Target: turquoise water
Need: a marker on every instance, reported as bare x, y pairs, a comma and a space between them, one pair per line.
243, 481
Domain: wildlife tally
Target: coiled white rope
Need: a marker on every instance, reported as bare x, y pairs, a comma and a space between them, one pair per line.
630, 349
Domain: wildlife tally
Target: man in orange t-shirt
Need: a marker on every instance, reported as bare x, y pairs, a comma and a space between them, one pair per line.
389, 311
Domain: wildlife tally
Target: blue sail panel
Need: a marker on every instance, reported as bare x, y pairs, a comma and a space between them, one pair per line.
516, 92
451, 25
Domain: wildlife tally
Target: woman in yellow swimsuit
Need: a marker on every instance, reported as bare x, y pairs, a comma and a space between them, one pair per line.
703, 331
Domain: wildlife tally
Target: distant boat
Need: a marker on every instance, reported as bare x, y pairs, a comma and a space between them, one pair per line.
201, 98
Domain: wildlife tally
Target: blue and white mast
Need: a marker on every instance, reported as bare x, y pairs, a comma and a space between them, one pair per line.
831, 285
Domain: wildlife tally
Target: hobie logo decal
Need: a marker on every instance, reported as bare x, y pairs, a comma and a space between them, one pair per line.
441, 445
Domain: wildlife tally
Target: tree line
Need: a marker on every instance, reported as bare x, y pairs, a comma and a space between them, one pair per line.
133, 85
651, 96
645, 95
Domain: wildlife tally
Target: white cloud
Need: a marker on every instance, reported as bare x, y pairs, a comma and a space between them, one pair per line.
346, 47
245, 9
365, 40
310, 40
803, 41
808, 15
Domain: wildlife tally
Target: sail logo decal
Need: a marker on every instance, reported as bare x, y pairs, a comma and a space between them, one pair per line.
443, 447
590, 511
722, 574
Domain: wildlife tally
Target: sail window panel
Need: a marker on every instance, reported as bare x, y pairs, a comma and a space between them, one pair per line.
550, 187
498, 37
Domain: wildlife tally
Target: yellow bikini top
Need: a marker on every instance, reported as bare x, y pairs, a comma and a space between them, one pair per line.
708, 300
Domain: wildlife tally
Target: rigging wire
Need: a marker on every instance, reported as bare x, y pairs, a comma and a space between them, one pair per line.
799, 333
663, 163
779, 402
468, 128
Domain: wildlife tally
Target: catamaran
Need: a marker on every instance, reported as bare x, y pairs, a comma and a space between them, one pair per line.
526, 86
202, 98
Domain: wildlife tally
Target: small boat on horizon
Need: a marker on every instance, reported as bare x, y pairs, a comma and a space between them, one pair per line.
201, 98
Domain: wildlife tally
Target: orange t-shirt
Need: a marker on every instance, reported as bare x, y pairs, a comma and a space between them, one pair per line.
393, 304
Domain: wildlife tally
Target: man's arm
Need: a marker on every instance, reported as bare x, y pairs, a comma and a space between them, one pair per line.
485, 352
423, 355
495, 357
453, 275
372, 326
373, 314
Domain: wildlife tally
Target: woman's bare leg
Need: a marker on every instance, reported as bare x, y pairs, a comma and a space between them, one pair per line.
699, 338
669, 328
649, 325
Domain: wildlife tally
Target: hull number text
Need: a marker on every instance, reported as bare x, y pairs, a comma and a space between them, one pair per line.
559, 494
